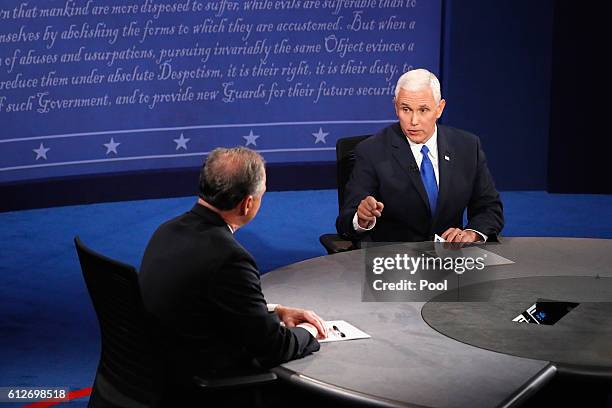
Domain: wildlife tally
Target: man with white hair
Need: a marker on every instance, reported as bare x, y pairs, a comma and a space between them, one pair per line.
415, 178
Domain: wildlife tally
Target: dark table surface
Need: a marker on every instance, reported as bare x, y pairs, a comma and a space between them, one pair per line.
407, 362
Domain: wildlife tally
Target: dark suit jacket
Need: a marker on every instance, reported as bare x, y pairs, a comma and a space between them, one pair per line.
386, 169
204, 289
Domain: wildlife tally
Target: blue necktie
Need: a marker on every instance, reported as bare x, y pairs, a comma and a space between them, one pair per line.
429, 180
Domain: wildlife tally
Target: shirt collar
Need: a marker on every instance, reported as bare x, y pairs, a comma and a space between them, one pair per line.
432, 144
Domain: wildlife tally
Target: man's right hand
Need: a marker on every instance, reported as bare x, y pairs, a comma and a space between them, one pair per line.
292, 317
310, 328
369, 209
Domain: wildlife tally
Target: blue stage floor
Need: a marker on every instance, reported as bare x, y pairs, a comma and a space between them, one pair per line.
48, 330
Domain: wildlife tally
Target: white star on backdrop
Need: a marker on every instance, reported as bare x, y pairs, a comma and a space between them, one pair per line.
41, 152
111, 146
251, 138
181, 142
320, 136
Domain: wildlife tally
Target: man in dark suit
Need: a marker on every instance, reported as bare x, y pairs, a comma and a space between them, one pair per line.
204, 288
415, 178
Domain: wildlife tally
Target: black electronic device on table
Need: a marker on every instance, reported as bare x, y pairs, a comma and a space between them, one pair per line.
545, 312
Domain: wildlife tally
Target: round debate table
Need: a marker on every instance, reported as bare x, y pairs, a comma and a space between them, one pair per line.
456, 354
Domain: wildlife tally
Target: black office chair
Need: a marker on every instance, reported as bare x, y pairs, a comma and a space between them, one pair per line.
132, 367
345, 160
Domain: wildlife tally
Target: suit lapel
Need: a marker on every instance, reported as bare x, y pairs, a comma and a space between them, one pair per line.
445, 167
403, 155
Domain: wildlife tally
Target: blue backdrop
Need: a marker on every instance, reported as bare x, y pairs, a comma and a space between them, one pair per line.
100, 86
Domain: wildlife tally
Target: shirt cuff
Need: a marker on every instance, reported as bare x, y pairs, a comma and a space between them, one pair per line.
309, 329
359, 228
272, 307
483, 236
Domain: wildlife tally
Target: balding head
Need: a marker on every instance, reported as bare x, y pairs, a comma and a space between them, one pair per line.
230, 175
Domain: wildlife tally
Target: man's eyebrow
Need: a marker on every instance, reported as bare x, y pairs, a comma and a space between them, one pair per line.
424, 105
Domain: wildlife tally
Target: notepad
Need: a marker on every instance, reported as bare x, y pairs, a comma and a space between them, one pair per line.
340, 330
438, 238
456, 250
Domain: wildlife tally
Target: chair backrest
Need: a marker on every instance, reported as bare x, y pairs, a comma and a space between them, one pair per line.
345, 160
130, 371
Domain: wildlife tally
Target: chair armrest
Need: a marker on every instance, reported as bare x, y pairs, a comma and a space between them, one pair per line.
334, 243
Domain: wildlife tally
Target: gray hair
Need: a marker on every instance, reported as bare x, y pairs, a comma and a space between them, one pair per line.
417, 80
230, 175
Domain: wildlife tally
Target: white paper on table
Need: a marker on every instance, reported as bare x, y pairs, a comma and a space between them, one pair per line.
337, 328
458, 251
438, 238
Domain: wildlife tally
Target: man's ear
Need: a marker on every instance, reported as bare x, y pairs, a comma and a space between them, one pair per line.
441, 106
246, 204
396, 108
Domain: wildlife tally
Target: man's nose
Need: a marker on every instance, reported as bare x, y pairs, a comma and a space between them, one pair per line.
414, 118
